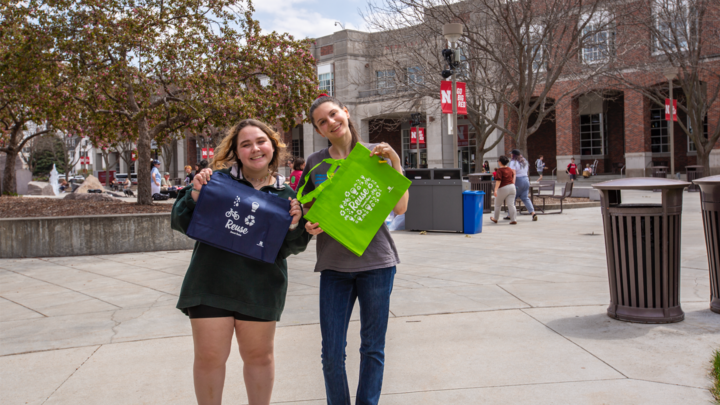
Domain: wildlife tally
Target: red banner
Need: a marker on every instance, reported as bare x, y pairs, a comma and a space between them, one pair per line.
667, 110
413, 136
463, 135
205, 153
446, 101
134, 156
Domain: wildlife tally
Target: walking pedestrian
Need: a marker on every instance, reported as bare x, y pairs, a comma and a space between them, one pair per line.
540, 166
156, 178
522, 181
504, 190
572, 170
345, 277
224, 293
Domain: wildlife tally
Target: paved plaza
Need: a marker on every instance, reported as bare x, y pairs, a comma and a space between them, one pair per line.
514, 315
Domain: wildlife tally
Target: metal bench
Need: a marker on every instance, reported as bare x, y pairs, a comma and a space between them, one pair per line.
567, 192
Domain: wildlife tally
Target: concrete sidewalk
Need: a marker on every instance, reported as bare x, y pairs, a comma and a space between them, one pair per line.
514, 315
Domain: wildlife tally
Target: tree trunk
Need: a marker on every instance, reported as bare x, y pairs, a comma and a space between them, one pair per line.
106, 158
8, 185
703, 159
142, 166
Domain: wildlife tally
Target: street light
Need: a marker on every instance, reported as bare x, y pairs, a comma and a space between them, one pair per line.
671, 73
452, 33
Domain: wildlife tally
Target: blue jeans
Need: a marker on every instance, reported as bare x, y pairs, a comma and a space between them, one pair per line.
338, 292
522, 184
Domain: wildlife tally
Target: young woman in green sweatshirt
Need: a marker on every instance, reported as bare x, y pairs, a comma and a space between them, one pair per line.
224, 293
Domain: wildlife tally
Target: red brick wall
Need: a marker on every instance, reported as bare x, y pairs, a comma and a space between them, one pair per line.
543, 142
326, 50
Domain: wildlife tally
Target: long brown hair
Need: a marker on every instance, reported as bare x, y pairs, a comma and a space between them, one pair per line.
226, 153
329, 99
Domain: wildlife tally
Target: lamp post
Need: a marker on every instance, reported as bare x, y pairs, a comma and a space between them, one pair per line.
452, 32
671, 74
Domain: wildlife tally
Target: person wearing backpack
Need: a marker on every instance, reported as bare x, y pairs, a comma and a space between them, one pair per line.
345, 277
224, 293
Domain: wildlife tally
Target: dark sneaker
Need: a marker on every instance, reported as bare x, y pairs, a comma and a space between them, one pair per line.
507, 218
534, 217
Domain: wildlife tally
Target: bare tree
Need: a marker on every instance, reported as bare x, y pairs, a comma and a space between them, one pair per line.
514, 52
412, 65
684, 38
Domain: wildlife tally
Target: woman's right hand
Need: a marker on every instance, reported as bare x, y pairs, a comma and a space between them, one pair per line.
313, 228
495, 194
199, 181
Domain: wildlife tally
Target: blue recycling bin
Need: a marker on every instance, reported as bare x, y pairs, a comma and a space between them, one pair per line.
472, 211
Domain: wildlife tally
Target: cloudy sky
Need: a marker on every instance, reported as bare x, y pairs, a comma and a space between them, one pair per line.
308, 18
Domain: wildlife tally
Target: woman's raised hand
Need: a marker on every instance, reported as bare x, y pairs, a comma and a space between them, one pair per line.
387, 152
198, 182
295, 210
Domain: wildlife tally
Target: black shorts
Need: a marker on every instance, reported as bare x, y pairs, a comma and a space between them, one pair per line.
204, 311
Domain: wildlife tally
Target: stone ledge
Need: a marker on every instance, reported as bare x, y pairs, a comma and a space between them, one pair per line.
89, 235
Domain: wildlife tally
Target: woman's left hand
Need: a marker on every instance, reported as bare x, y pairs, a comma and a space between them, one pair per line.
295, 210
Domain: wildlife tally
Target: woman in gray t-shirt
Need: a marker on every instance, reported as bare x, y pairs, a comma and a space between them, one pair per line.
345, 277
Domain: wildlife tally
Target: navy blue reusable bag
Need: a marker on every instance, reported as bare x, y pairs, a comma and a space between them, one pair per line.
239, 219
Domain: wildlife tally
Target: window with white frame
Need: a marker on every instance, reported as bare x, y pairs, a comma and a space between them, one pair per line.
691, 145
592, 135
598, 43
672, 25
658, 131
414, 76
326, 79
534, 40
385, 80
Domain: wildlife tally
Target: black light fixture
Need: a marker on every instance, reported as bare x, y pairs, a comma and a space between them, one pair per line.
446, 73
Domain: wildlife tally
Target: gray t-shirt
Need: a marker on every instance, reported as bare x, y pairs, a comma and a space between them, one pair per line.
331, 255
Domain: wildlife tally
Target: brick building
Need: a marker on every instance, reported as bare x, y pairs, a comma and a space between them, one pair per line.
608, 121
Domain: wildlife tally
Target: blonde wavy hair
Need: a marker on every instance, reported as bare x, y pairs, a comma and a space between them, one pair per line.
226, 152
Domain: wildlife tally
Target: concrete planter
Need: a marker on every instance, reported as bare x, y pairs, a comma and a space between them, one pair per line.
89, 235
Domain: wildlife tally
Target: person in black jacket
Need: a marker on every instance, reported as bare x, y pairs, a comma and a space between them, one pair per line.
224, 293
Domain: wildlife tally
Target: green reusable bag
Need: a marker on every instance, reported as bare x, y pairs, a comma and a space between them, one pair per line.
353, 203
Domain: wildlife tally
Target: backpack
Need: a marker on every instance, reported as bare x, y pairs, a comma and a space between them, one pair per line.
159, 197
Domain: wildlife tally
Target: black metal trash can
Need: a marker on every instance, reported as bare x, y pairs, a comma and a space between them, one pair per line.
642, 243
660, 171
482, 182
710, 200
693, 172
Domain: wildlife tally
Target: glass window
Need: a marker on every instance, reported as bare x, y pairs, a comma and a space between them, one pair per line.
414, 76
658, 131
385, 80
326, 83
598, 44
297, 147
537, 52
592, 139
672, 25
409, 151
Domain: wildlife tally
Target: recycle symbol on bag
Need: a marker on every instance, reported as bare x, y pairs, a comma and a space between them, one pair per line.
360, 199
250, 220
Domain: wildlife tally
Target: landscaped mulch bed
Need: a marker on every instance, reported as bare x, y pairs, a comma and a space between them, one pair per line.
23, 207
